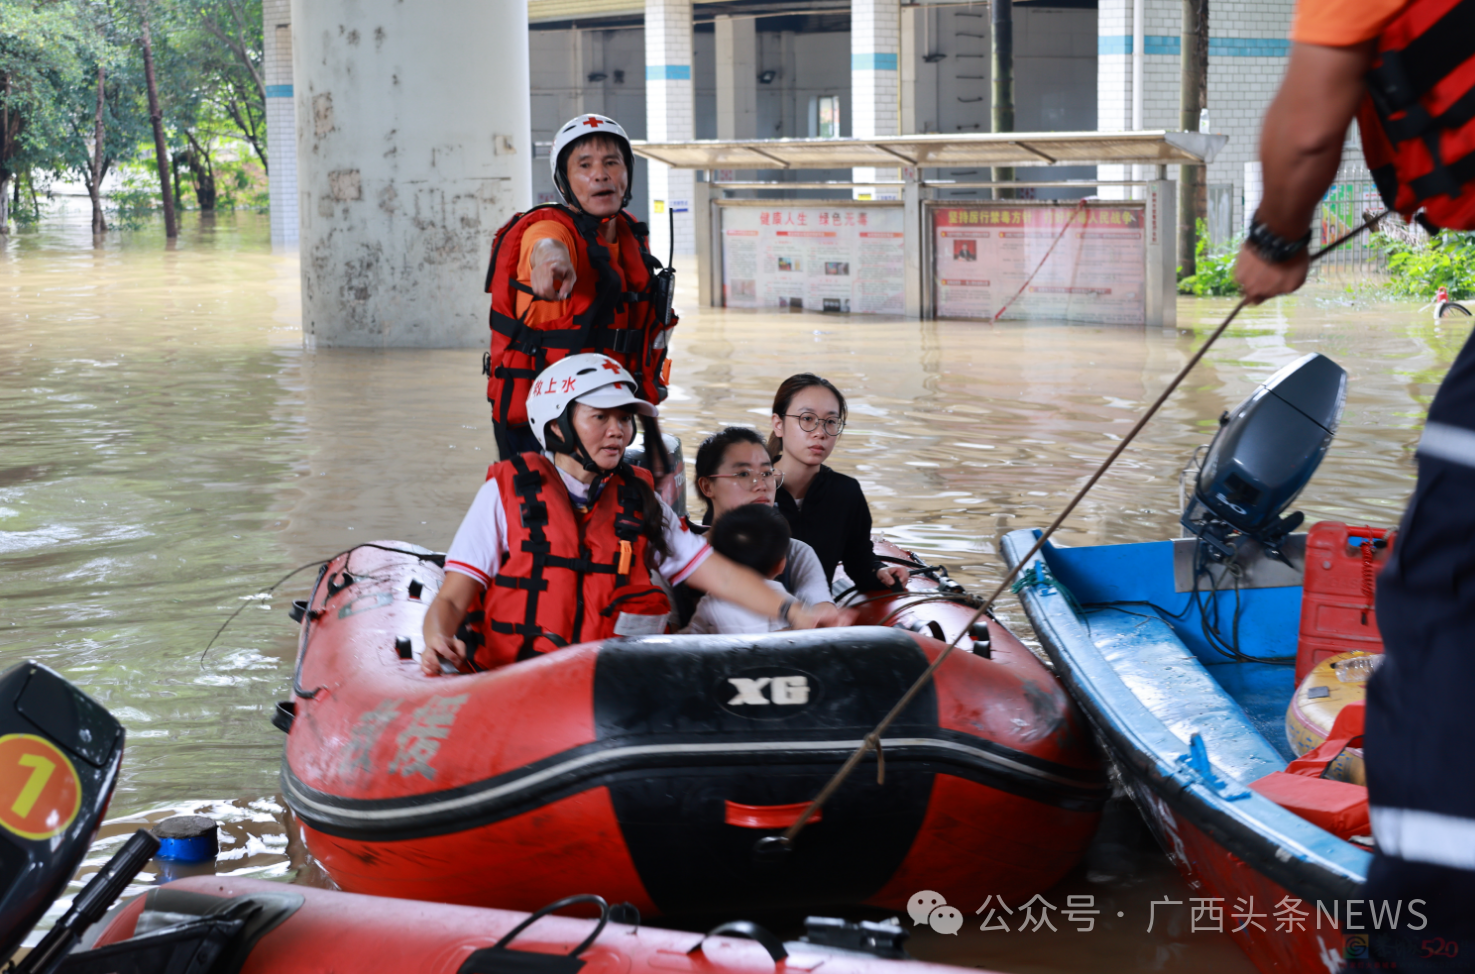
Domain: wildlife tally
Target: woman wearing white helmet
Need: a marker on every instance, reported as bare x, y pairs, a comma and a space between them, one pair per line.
559, 546
576, 276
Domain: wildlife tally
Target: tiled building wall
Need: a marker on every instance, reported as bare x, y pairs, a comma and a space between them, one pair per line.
669, 116
1247, 57
281, 119
562, 62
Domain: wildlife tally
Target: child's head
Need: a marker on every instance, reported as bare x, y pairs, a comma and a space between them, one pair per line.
754, 535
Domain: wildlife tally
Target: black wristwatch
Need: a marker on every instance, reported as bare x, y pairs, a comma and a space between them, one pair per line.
1272, 247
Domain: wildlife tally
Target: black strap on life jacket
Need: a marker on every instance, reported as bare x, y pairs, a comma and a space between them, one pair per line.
630, 519
1406, 75
527, 484
592, 326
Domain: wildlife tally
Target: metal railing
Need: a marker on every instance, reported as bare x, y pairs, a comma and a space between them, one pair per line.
1350, 200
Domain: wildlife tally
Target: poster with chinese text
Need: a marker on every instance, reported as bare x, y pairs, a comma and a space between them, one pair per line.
842, 258
1061, 263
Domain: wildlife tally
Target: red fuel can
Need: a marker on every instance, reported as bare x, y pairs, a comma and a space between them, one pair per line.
1342, 566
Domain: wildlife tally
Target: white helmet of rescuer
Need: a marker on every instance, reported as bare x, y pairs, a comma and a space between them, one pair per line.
592, 379
573, 130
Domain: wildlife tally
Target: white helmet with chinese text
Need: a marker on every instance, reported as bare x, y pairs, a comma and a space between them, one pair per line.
592, 379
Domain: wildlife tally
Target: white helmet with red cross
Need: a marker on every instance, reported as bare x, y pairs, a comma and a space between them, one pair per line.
592, 379
573, 130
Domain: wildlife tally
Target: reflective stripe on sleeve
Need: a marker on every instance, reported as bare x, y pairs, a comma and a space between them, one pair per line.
692, 565
1442, 441
1419, 836
470, 571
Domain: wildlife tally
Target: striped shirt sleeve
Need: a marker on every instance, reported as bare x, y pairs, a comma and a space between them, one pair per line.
481, 540
688, 550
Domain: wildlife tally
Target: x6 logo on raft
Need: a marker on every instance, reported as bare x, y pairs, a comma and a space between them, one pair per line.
769, 693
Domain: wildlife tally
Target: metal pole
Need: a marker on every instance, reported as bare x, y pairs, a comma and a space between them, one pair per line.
1002, 36
1194, 63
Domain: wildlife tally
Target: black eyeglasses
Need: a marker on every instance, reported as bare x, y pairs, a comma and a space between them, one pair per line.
808, 422
759, 480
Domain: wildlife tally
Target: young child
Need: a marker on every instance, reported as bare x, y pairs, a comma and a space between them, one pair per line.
756, 536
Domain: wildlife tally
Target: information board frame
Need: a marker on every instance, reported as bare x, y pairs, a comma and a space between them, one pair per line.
892, 212
1067, 224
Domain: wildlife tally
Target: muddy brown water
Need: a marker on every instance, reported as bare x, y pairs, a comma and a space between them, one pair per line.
169, 450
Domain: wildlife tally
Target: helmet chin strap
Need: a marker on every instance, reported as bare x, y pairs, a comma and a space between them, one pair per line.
568, 442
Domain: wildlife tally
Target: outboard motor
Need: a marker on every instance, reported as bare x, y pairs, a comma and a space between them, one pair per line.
60, 752
1266, 450
675, 494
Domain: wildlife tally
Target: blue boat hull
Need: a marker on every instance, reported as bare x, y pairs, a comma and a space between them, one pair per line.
1129, 645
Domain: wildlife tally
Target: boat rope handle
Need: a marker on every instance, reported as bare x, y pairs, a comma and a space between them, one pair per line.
598, 901
775, 846
750, 930
434, 556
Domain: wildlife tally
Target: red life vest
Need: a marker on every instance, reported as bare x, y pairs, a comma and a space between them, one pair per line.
570, 576
1418, 121
619, 320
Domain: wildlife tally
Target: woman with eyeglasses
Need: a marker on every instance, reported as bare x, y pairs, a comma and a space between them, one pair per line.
733, 469
826, 509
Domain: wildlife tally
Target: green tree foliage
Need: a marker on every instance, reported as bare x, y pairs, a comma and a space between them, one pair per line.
44, 52
1215, 277
212, 97
210, 84
109, 101
1419, 270
222, 40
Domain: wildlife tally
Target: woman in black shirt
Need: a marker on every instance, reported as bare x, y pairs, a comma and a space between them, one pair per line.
826, 510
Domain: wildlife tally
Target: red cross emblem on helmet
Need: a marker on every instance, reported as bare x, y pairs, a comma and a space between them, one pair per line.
593, 122
610, 364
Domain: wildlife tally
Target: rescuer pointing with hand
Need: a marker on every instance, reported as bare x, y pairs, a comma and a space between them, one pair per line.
574, 277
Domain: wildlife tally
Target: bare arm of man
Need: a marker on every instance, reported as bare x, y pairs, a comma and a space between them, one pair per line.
1300, 149
728, 580
442, 620
553, 270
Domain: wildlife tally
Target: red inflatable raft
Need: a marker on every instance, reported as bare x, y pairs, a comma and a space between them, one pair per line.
210, 925
646, 769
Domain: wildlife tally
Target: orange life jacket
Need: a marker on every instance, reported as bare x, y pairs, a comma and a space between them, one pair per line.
622, 321
570, 576
1418, 120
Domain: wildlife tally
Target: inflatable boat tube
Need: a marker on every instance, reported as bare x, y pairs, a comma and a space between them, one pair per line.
646, 769
210, 925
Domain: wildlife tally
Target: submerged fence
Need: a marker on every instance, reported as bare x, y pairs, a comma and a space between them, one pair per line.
1351, 200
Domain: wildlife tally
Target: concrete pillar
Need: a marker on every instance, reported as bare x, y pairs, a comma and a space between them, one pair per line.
1161, 284
912, 24
281, 119
875, 41
579, 102
737, 78
669, 117
414, 146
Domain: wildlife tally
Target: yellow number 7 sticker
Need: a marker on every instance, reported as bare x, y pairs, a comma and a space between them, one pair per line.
40, 793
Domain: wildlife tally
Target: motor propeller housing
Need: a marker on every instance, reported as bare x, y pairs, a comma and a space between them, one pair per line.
1265, 451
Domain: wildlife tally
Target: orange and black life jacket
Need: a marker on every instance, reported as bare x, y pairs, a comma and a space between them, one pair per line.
1418, 121
570, 576
624, 320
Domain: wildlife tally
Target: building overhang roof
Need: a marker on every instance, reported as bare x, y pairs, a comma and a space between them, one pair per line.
943, 150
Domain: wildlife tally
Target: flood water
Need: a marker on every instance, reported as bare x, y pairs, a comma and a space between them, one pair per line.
168, 450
